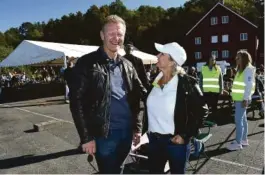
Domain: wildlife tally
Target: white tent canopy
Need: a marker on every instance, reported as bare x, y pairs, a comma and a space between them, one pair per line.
37, 52
32, 52
147, 58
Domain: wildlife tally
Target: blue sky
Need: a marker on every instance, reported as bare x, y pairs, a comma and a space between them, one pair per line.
14, 12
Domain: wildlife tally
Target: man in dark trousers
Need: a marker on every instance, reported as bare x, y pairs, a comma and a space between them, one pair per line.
68, 74
102, 100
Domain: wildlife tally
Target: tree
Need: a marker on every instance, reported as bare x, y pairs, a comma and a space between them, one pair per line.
2, 39
30, 31
12, 37
4, 52
117, 7
245, 8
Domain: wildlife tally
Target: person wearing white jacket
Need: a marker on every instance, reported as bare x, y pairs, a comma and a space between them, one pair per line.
242, 90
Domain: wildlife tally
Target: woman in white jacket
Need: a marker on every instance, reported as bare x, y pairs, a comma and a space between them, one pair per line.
242, 90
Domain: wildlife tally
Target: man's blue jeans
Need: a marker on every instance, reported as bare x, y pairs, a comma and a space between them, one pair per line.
111, 151
241, 122
162, 149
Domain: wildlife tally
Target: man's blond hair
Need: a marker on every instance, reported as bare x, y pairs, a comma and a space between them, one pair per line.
113, 19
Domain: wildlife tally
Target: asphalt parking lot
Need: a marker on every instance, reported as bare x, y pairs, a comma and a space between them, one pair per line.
53, 150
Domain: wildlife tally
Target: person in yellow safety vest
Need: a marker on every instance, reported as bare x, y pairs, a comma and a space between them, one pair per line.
211, 82
242, 90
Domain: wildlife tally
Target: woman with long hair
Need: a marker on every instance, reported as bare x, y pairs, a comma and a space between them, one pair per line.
174, 110
242, 90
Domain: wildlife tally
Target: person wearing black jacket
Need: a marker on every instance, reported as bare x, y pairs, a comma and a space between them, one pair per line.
138, 65
68, 77
175, 111
103, 102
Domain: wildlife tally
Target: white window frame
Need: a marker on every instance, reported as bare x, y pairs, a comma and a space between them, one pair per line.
225, 19
214, 20
225, 38
243, 36
198, 55
214, 39
225, 53
198, 40
215, 52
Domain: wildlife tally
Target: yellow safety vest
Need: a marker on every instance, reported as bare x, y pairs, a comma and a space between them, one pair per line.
210, 81
238, 88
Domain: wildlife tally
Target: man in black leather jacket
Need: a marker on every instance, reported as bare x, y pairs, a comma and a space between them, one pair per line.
102, 99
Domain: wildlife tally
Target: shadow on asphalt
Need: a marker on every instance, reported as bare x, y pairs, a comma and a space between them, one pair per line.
30, 159
223, 116
261, 125
226, 141
30, 131
62, 102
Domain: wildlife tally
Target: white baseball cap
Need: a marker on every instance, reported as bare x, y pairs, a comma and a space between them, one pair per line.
174, 50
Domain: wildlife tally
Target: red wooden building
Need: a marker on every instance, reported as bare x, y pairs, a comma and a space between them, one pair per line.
221, 32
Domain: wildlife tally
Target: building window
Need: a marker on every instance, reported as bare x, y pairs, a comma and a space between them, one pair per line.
213, 21
225, 19
225, 53
214, 39
198, 40
198, 55
243, 36
215, 52
225, 38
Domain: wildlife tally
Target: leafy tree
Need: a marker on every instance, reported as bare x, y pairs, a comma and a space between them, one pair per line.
4, 52
12, 37
2, 39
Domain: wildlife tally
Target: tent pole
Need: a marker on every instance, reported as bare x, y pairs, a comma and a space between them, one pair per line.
66, 87
65, 62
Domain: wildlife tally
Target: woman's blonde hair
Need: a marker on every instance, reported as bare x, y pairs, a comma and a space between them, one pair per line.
245, 59
176, 68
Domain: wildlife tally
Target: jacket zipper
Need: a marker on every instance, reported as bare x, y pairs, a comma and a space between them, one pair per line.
106, 127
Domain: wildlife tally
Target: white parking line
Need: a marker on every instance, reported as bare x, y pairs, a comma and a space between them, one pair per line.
50, 117
234, 163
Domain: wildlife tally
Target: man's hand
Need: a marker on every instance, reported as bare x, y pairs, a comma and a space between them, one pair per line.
177, 140
136, 138
90, 147
245, 104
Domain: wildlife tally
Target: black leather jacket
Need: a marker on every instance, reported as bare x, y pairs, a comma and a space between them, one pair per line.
90, 95
190, 108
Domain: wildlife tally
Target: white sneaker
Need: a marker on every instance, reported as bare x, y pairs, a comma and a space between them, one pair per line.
244, 143
234, 146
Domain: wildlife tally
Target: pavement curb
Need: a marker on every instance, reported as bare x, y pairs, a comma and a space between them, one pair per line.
46, 125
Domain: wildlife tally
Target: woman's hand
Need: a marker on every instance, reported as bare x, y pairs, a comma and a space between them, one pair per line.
177, 140
136, 138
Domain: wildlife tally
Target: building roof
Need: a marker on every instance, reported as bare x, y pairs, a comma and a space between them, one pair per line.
222, 5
